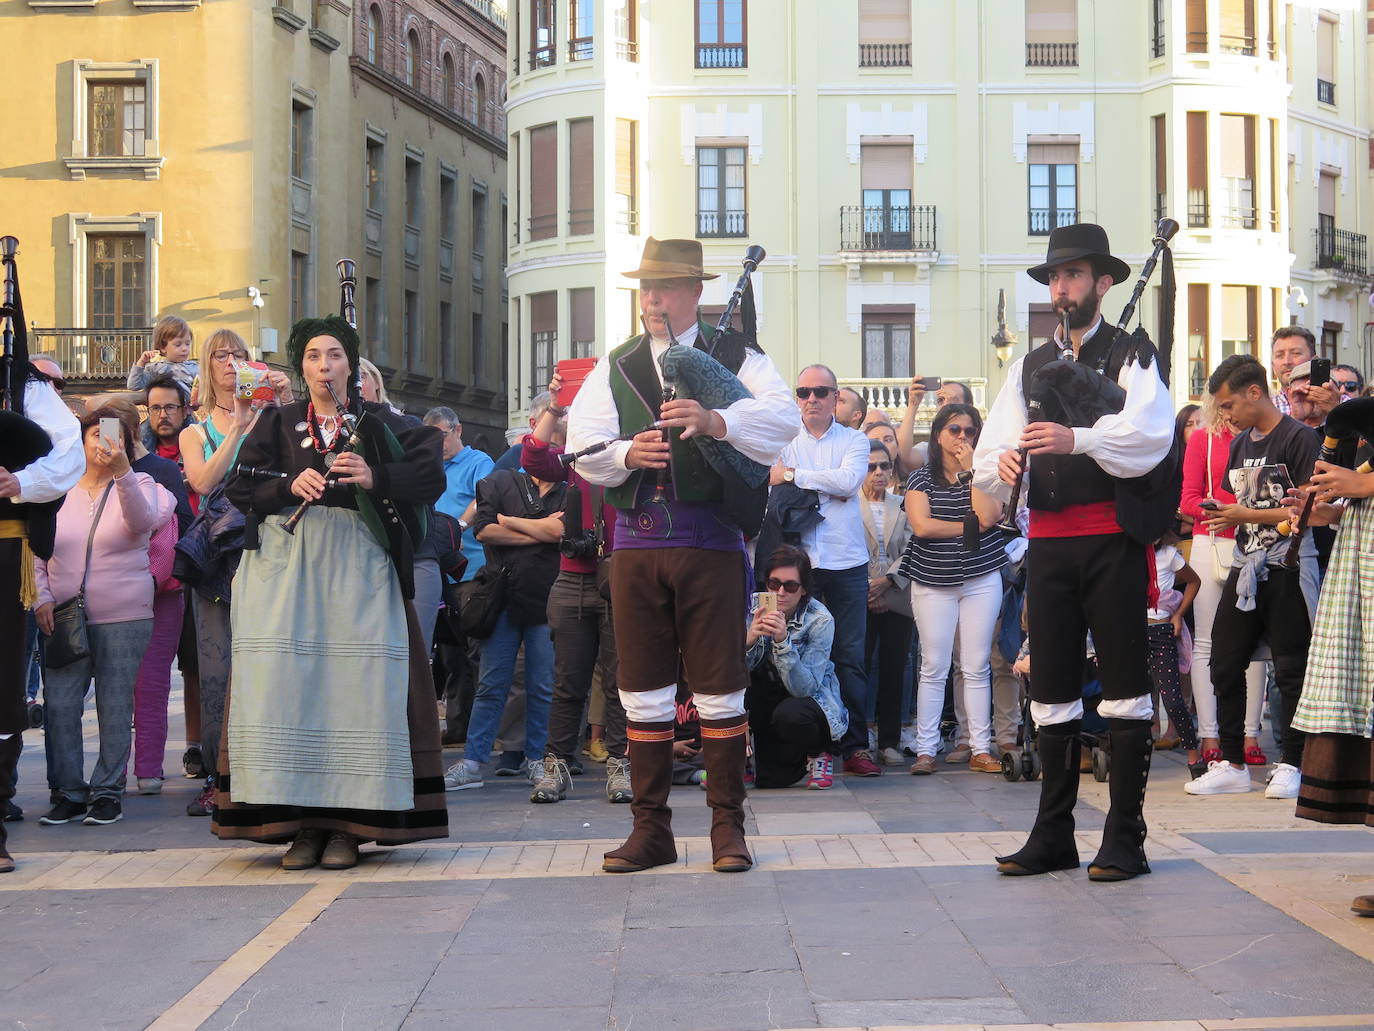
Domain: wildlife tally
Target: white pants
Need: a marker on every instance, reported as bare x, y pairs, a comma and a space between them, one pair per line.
971, 608
1204, 613
661, 706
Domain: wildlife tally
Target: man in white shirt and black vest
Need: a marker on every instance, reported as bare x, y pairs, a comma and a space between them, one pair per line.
1085, 572
679, 590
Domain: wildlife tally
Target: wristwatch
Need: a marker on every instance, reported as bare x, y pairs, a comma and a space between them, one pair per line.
463, 526
964, 476
789, 476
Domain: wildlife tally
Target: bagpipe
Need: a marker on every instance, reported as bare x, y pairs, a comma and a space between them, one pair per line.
1078, 393
22, 441
1349, 420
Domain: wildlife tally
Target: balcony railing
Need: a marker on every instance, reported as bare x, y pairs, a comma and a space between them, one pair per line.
581, 221
542, 57
495, 12
1326, 92
627, 221
721, 55
1239, 217
1342, 252
890, 394
1197, 42
93, 354
1052, 55
1161, 206
1243, 45
722, 223
887, 229
627, 50
580, 48
884, 55
1198, 215
543, 227
1040, 221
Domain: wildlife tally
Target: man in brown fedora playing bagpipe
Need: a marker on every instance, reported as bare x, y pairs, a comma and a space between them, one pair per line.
1089, 546
679, 591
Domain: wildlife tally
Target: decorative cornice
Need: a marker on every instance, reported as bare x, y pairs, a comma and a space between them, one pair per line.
367, 71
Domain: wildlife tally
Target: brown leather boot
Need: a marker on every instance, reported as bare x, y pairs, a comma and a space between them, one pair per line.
651, 777
723, 748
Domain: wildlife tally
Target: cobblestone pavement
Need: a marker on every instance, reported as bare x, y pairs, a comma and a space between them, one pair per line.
872, 905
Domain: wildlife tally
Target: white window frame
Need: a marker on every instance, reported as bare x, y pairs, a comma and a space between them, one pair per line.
145, 71
81, 225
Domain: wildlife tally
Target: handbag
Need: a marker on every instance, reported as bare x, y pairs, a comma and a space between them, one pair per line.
69, 642
161, 553
481, 600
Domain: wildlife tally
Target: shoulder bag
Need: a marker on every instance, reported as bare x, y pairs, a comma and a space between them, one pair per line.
69, 643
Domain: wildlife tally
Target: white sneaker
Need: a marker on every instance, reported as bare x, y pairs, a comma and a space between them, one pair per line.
908, 741
1221, 778
891, 757
1283, 782
460, 775
150, 785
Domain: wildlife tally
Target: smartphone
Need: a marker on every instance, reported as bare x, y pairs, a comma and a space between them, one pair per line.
932, 382
110, 433
1321, 372
1209, 504
766, 601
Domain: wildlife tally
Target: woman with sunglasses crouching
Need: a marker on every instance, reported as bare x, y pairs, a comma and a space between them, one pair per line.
793, 699
955, 587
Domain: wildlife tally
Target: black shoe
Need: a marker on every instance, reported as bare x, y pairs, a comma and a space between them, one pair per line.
575, 767
192, 762
55, 796
13, 814
36, 715
64, 812
103, 811
510, 764
453, 740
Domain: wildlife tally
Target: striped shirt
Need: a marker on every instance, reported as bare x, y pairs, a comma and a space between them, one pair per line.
945, 563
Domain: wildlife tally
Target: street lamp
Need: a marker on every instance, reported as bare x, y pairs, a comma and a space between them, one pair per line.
1003, 341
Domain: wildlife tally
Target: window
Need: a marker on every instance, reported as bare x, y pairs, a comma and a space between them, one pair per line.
302, 122
414, 196
885, 178
721, 34
374, 35
446, 355
543, 339
1157, 27
118, 119
1161, 146
478, 350
1053, 179
1238, 171
1239, 321
884, 33
627, 30
448, 207
410, 330
448, 83
582, 317
626, 201
479, 101
376, 152
1042, 322
1199, 365
1238, 27
300, 285
543, 182
375, 300
1196, 26
117, 279
1199, 216
412, 68
720, 192
1326, 59
1328, 340
1051, 33
479, 223
1275, 183
888, 334
541, 35
581, 29
581, 175
1327, 250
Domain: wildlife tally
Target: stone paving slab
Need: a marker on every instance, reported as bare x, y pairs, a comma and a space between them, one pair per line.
1261, 842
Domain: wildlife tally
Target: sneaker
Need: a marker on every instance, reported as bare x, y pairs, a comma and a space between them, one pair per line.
1283, 782
204, 803
820, 772
596, 751
104, 811
551, 780
575, 767
461, 776
36, 715
861, 764
618, 787
872, 739
64, 812
1221, 778
511, 764
150, 785
961, 754
13, 814
908, 742
697, 777
891, 757
192, 762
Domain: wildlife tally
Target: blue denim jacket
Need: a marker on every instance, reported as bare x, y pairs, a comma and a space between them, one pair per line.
803, 662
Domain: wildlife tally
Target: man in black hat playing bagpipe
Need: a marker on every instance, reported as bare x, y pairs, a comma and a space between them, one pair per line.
1103, 484
678, 580
41, 458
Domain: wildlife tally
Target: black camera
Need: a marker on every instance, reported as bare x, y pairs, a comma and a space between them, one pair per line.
583, 545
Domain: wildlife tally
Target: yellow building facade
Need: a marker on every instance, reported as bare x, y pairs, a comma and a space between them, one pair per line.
903, 162
214, 160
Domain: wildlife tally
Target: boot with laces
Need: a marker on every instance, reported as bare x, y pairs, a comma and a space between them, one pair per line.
618, 785
551, 780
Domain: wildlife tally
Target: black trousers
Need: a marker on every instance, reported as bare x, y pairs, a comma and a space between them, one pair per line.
459, 681
13, 643
786, 734
1079, 584
580, 620
889, 634
1279, 617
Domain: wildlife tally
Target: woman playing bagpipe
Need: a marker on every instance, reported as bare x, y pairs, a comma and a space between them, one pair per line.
332, 736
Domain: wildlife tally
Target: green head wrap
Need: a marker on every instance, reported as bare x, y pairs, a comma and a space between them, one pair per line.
334, 326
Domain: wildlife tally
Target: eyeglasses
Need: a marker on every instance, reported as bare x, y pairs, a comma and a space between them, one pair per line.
821, 392
164, 409
1348, 384
962, 431
790, 586
875, 466
224, 357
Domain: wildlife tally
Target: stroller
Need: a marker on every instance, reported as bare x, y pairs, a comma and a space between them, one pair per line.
1023, 763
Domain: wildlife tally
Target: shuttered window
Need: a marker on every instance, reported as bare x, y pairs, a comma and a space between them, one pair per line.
543, 182
582, 317
543, 339
1238, 27
581, 177
884, 21
1198, 214
627, 202
1051, 21
1238, 171
1197, 26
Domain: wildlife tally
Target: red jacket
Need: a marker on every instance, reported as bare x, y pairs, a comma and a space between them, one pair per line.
1200, 482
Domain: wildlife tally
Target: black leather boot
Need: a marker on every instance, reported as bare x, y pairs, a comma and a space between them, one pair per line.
1122, 855
1051, 844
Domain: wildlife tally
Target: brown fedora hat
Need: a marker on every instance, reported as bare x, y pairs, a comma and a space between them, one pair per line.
670, 259
1081, 240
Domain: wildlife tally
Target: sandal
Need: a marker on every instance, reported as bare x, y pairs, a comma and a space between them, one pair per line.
1254, 756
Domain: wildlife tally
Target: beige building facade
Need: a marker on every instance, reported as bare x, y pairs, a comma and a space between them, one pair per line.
214, 160
903, 161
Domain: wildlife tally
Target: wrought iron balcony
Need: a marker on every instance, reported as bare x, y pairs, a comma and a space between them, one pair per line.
1052, 55
627, 50
581, 221
1326, 92
1161, 206
581, 48
884, 55
543, 56
543, 227
1342, 252
1243, 45
887, 229
96, 355
1199, 216
721, 55
722, 223
1041, 221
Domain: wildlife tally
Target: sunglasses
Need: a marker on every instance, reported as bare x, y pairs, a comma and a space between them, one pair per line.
821, 392
875, 466
790, 586
1348, 384
962, 431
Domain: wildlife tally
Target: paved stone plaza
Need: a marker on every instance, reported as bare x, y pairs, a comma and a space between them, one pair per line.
872, 905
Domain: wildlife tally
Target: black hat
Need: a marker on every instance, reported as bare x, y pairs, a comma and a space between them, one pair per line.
1082, 240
